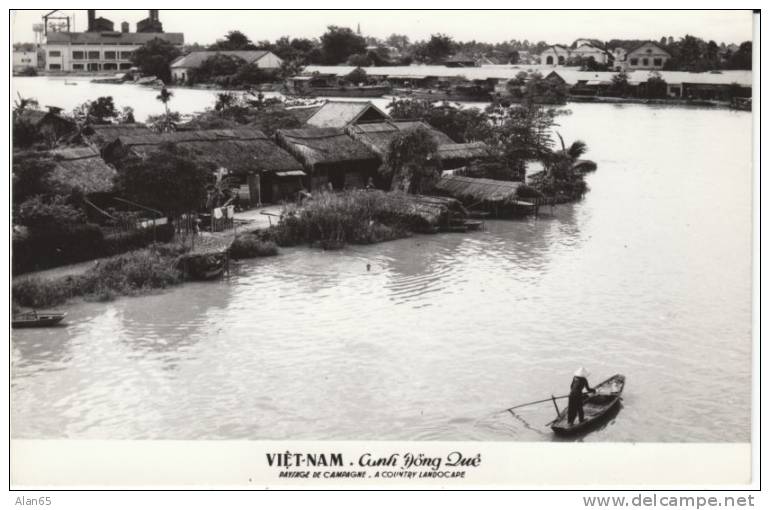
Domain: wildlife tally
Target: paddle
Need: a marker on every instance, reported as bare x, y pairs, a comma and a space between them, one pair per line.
535, 402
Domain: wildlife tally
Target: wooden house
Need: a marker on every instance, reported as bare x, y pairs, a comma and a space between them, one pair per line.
330, 156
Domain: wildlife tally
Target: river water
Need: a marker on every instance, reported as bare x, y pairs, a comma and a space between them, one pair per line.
648, 276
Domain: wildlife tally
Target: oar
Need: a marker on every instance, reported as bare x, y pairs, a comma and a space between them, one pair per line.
535, 402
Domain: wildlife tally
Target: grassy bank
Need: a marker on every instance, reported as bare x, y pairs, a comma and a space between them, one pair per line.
247, 246
127, 274
331, 220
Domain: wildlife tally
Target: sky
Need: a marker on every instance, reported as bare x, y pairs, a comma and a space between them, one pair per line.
205, 27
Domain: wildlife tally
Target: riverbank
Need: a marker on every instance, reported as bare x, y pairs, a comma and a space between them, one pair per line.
136, 272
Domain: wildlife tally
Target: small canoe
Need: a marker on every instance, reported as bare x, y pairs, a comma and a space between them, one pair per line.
36, 320
596, 406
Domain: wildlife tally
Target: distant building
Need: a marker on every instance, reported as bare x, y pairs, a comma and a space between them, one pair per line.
648, 55
555, 56
181, 67
100, 48
585, 51
24, 59
619, 57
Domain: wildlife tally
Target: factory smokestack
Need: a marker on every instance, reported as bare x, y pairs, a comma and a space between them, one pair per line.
154, 15
91, 20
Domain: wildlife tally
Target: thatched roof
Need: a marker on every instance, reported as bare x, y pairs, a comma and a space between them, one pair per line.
32, 116
344, 113
82, 168
463, 151
378, 135
103, 134
479, 190
242, 150
323, 146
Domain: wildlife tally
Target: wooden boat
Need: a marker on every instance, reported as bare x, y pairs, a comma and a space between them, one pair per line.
36, 320
595, 407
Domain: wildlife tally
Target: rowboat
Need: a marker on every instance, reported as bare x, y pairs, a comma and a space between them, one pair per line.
36, 320
596, 407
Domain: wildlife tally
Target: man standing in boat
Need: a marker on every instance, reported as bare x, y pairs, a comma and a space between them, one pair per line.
579, 381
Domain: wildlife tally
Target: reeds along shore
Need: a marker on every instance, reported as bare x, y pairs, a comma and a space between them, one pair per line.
155, 267
331, 220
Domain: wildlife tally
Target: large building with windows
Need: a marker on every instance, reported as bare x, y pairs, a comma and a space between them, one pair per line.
100, 48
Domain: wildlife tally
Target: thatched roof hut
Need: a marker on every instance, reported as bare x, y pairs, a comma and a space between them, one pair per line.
104, 134
48, 123
472, 190
344, 113
241, 151
455, 155
81, 168
378, 135
330, 155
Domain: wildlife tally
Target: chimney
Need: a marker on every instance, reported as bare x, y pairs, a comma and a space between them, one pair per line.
124, 27
154, 15
91, 20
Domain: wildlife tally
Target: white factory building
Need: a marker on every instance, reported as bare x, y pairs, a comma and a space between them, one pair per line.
100, 47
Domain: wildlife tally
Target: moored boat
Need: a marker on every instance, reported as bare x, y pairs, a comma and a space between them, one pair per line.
596, 407
34, 319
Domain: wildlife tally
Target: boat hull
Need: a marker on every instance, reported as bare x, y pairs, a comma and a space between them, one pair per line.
41, 321
596, 408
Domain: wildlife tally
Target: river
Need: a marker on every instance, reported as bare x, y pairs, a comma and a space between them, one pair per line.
649, 276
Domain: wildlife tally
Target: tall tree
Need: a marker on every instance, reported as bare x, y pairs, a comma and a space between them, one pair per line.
154, 58
164, 97
170, 179
438, 48
339, 43
234, 40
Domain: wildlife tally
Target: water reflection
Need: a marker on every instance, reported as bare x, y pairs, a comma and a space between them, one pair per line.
445, 330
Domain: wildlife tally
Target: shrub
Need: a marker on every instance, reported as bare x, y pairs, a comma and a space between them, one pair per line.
332, 220
150, 268
248, 246
43, 215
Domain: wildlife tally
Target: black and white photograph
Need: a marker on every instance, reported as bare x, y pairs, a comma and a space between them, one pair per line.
489, 228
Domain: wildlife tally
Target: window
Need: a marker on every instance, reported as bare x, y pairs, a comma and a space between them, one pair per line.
561, 60
93, 55
126, 55
92, 66
54, 53
645, 61
78, 55
124, 65
54, 67
634, 61
658, 62
110, 55
110, 66
77, 67
549, 61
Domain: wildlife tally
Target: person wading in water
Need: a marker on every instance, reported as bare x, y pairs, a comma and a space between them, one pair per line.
579, 382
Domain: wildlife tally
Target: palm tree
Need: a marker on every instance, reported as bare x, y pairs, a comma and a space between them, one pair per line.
164, 97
